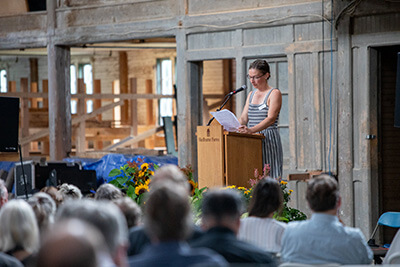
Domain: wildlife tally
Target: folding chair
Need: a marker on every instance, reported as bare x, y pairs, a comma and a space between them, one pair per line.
391, 219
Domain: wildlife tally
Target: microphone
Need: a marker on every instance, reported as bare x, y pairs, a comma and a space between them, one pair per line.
244, 87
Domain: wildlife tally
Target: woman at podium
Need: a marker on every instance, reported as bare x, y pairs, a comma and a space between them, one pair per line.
261, 114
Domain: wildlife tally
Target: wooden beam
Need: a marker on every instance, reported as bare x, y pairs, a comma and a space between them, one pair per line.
149, 106
45, 84
134, 139
34, 100
45, 132
80, 143
24, 116
96, 105
123, 85
34, 76
59, 100
92, 96
134, 111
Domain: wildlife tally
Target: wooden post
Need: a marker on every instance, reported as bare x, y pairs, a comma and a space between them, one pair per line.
45, 84
227, 80
123, 85
45, 145
81, 110
12, 86
34, 75
149, 90
59, 100
25, 116
98, 145
134, 113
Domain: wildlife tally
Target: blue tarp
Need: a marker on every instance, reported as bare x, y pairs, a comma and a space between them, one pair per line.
108, 162
6, 165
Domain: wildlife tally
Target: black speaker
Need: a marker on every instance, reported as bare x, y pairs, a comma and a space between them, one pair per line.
397, 104
9, 120
19, 181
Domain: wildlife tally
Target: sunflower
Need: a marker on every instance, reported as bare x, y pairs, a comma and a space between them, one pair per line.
193, 186
140, 189
147, 182
283, 182
144, 167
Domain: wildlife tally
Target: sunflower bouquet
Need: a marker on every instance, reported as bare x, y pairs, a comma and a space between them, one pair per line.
133, 178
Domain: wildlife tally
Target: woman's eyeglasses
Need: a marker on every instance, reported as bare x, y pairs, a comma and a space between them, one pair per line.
254, 77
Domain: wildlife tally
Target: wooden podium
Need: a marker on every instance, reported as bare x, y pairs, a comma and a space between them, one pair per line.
227, 158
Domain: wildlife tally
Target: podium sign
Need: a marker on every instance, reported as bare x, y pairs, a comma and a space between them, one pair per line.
227, 158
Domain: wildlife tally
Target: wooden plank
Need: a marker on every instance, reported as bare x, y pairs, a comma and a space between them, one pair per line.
149, 103
80, 143
12, 87
45, 84
12, 84
24, 116
134, 110
34, 89
134, 139
123, 85
74, 121
96, 105
34, 75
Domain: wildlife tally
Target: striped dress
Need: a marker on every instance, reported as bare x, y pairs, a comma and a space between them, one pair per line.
272, 145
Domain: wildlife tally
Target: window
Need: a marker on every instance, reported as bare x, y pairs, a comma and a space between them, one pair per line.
88, 80
3, 81
73, 88
165, 87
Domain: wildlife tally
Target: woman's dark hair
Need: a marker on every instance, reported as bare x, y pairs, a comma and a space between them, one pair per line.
261, 65
267, 197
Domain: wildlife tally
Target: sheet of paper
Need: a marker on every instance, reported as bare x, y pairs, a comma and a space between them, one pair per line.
227, 119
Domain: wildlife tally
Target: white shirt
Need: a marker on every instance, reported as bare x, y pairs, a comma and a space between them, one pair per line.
265, 233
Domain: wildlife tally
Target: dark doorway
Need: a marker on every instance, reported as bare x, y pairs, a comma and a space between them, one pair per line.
388, 136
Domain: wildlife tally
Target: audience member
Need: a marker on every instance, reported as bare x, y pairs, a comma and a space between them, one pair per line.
138, 238
73, 243
107, 218
44, 208
3, 193
221, 211
108, 192
69, 191
54, 194
260, 228
168, 223
323, 239
130, 209
19, 232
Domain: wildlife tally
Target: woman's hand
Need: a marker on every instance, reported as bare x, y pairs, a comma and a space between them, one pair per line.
244, 129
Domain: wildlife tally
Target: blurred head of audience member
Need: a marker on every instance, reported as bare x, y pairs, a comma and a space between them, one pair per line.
69, 191
45, 209
106, 217
168, 213
54, 193
3, 193
108, 192
222, 208
19, 232
72, 243
267, 197
170, 173
323, 194
130, 209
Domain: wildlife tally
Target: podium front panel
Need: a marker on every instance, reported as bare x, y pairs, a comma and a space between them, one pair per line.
210, 156
243, 154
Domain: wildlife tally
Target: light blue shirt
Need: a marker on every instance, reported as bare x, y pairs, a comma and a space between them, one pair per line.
323, 239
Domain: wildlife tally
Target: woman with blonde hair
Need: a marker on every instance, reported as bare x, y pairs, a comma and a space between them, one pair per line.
19, 232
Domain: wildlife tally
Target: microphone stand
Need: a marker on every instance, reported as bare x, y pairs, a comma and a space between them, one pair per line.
227, 97
23, 172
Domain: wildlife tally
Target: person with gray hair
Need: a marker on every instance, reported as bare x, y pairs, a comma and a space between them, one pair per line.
44, 208
3, 193
130, 209
108, 192
70, 191
221, 211
106, 217
19, 232
323, 239
168, 222
171, 173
